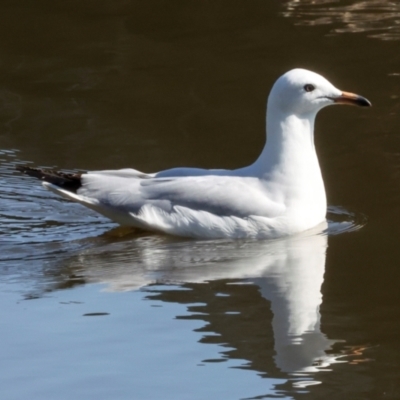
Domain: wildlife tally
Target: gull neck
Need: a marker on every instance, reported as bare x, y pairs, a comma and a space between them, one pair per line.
290, 144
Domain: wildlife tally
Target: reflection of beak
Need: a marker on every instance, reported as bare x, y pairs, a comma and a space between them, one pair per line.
351, 99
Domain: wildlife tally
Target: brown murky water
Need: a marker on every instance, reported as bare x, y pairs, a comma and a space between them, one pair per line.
88, 313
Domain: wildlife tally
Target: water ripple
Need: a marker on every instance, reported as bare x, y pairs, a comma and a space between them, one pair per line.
341, 220
380, 19
36, 225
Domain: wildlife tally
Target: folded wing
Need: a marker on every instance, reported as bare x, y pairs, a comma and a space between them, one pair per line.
197, 206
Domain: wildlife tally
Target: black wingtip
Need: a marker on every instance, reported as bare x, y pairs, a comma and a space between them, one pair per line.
68, 181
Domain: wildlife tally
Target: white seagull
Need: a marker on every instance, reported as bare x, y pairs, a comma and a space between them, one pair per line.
281, 193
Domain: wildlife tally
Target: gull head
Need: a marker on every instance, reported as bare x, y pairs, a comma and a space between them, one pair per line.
302, 92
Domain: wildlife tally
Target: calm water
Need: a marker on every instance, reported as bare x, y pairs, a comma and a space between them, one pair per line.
90, 312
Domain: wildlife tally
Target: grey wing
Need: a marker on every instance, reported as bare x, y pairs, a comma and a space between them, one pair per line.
219, 195
129, 173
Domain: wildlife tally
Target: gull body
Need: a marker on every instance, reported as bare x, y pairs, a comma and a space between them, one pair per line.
280, 194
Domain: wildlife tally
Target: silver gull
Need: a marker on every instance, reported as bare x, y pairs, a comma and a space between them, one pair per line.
281, 193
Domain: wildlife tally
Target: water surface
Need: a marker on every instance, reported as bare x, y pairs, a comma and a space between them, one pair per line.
90, 312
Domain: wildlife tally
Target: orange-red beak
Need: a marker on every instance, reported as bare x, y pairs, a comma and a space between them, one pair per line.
352, 99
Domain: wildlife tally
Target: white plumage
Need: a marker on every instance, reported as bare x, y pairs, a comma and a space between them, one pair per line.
281, 193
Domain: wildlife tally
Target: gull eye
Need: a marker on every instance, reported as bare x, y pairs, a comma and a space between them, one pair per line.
309, 87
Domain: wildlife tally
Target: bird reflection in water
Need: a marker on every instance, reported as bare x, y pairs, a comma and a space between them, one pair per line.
260, 299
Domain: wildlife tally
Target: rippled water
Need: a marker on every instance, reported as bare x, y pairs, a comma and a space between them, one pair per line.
93, 311
378, 19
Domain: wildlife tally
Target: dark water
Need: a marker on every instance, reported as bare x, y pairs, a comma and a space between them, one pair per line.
91, 313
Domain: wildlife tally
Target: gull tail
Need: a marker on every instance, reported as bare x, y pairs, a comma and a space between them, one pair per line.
67, 181
67, 185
